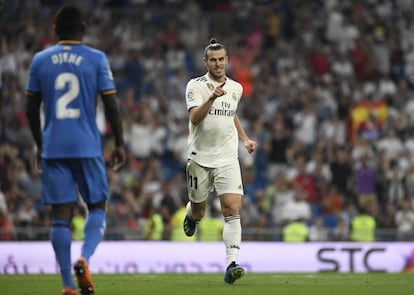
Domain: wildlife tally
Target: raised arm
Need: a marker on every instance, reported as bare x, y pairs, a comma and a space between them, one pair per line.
198, 113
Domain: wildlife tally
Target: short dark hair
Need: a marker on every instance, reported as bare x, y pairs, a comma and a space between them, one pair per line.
69, 21
213, 45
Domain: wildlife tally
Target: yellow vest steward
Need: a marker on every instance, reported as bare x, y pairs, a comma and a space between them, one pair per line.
295, 232
363, 228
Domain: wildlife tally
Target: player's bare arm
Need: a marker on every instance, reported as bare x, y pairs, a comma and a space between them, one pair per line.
198, 113
33, 103
249, 144
112, 113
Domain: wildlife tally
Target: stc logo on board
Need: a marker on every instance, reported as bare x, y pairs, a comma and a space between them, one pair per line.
354, 258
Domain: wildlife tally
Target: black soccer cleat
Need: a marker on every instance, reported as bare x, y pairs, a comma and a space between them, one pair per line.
190, 226
233, 273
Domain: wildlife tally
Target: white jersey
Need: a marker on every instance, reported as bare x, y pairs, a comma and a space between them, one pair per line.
214, 141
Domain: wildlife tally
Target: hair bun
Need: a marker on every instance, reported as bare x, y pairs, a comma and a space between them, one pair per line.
213, 41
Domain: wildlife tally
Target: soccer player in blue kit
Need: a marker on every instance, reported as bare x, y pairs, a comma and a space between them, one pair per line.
67, 78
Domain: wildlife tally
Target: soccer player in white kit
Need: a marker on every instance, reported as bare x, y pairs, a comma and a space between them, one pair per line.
213, 164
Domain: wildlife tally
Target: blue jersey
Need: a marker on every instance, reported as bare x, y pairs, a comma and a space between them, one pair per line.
69, 76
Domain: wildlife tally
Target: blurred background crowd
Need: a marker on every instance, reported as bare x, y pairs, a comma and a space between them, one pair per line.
328, 94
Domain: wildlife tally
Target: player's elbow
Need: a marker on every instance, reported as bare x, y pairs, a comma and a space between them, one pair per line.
32, 113
33, 103
29, 114
197, 115
194, 118
194, 121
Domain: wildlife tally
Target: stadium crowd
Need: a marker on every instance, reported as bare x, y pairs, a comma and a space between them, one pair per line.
328, 94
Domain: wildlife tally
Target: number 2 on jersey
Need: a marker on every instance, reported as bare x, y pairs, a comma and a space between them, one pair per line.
62, 109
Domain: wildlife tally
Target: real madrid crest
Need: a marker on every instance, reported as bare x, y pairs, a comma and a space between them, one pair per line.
210, 86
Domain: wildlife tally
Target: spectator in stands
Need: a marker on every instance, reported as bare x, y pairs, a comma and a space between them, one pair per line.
296, 231
32, 184
341, 169
210, 228
6, 226
318, 59
365, 182
340, 232
168, 204
363, 226
317, 231
350, 210
361, 147
3, 204
332, 202
341, 66
305, 122
395, 183
386, 222
318, 167
297, 209
279, 142
280, 193
153, 228
362, 61
78, 223
391, 144
404, 219
305, 182
25, 217
409, 181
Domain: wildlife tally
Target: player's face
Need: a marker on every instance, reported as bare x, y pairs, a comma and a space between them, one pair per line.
216, 62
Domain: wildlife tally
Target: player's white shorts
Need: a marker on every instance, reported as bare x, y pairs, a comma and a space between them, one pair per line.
203, 180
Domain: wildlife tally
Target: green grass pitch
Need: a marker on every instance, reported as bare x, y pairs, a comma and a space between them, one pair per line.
212, 284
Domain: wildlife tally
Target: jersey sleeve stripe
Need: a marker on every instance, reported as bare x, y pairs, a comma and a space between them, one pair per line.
108, 92
31, 93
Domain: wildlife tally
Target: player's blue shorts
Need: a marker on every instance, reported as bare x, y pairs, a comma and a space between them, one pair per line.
64, 179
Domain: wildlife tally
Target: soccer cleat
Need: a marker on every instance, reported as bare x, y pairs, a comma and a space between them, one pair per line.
233, 273
83, 277
69, 291
190, 226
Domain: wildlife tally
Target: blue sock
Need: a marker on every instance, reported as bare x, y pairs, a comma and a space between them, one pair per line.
60, 236
94, 230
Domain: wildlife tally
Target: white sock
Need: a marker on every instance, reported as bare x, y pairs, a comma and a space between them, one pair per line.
232, 237
188, 207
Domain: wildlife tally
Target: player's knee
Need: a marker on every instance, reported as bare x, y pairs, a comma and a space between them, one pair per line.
62, 211
100, 205
231, 210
